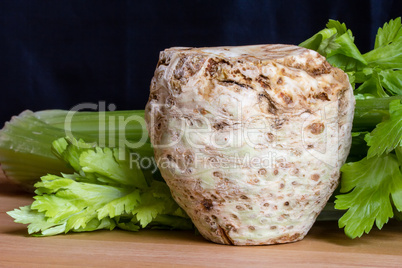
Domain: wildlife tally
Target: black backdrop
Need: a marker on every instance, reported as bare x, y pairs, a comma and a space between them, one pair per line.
57, 54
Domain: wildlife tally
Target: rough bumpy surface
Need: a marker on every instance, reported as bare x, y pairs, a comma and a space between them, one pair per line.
250, 139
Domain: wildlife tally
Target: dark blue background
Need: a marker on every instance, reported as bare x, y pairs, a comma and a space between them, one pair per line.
57, 54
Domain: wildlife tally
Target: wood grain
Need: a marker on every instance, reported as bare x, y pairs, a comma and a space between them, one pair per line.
324, 246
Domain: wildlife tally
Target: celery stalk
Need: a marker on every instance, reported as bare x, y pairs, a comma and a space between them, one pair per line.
25, 141
370, 112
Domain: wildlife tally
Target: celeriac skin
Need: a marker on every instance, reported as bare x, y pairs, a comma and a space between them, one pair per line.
250, 139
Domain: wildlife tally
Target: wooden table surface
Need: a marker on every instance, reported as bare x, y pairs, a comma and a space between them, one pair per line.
324, 246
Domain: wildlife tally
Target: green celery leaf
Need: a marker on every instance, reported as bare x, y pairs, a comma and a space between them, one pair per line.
36, 220
388, 134
76, 203
348, 48
328, 46
54, 230
348, 64
63, 205
386, 57
392, 81
372, 86
69, 150
363, 75
371, 186
107, 163
120, 206
148, 208
95, 224
339, 27
105, 192
336, 43
388, 33
315, 41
